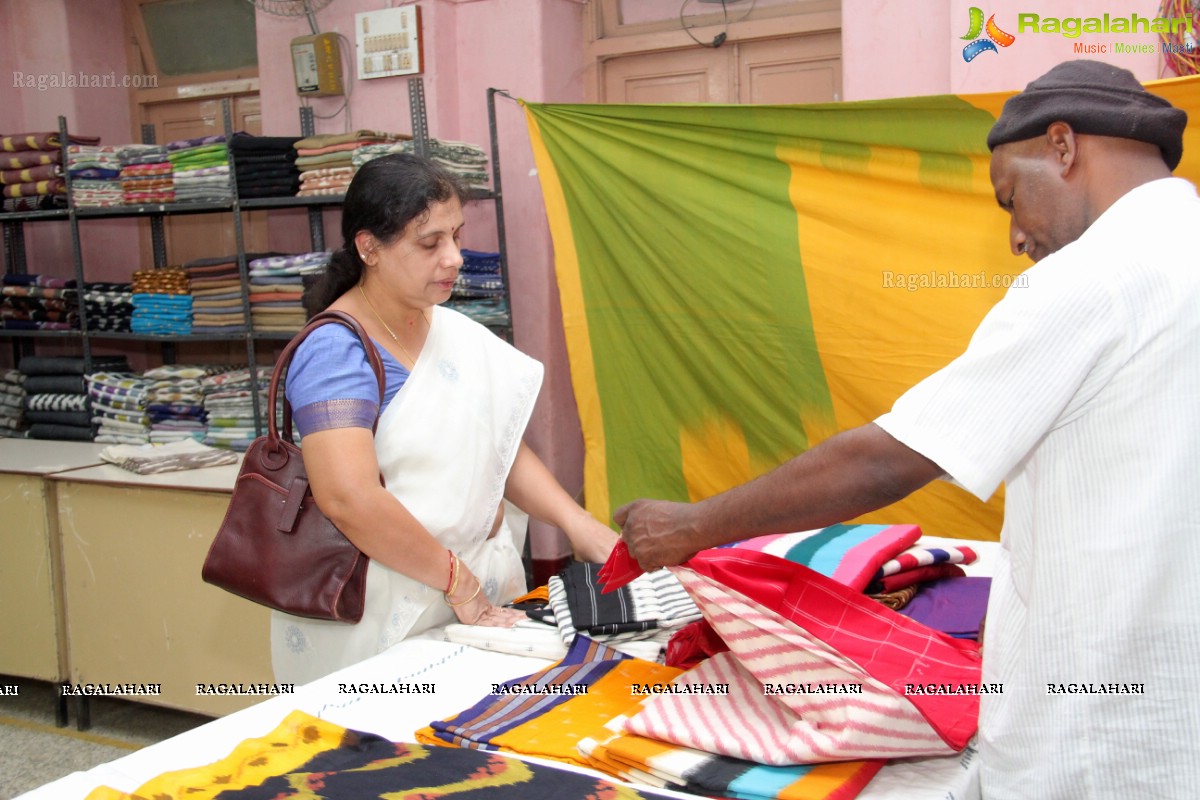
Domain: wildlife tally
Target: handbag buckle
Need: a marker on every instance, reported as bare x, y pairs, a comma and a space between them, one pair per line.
291, 506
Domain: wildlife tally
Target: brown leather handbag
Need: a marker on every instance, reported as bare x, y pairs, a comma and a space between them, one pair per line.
274, 546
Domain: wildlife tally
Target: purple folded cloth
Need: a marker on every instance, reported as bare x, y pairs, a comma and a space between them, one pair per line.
954, 606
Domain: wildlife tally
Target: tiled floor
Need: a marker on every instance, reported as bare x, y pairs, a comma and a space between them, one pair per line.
33, 751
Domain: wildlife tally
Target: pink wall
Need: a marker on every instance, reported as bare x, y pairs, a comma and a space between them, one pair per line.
918, 51
533, 50
49, 39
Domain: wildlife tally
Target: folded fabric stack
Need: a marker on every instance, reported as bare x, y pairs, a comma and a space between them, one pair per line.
119, 407
175, 401
201, 169
918, 565
229, 403
216, 295
325, 181
265, 165
276, 290
326, 160
162, 302
468, 161
109, 306
479, 289
56, 397
95, 173
565, 711
38, 302
12, 404
32, 164
652, 608
146, 174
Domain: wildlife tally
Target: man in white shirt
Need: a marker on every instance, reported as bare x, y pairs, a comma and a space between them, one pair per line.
1081, 392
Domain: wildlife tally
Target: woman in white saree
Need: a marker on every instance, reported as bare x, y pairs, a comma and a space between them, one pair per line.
448, 444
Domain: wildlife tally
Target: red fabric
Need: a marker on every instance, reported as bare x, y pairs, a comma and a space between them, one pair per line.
693, 643
620, 569
892, 648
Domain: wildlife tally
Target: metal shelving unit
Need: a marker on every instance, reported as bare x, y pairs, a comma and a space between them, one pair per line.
13, 224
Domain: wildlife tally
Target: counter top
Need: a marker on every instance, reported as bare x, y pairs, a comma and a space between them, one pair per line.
211, 479
46, 456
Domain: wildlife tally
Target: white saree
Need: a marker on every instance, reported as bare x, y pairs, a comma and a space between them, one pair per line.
445, 445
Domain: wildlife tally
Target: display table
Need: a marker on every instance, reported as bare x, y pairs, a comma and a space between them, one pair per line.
137, 609
460, 675
31, 567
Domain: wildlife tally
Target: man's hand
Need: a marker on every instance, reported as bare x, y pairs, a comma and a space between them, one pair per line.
658, 533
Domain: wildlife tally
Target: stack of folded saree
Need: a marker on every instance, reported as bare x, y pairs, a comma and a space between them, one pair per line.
175, 401
326, 160
567, 711
200, 169
277, 289
118, 401
32, 164
650, 608
109, 306
216, 290
468, 161
229, 406
265, 166
12, 404
146, 174
38, 302
57, 405
479, 289
162, 301
95, 173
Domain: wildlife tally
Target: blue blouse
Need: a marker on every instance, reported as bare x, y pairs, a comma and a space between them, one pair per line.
330, 384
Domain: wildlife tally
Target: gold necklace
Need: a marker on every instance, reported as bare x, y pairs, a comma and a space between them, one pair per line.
391, 333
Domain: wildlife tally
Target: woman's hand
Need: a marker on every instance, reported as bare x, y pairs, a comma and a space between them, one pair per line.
472, 607
590, 539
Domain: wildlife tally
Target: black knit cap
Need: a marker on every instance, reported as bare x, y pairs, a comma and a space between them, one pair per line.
1093, 98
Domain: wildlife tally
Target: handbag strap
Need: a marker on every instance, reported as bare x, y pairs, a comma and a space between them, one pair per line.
285, 358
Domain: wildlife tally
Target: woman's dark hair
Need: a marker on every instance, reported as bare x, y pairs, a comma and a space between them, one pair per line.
386, 194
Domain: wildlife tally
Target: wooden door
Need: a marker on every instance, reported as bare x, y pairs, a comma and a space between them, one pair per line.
795, 69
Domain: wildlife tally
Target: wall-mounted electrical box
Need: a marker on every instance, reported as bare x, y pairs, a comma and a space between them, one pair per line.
388, 42
317, 63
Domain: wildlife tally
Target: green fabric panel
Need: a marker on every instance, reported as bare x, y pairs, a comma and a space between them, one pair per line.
691, 265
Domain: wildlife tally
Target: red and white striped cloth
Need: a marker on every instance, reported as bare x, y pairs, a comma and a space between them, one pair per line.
786, 624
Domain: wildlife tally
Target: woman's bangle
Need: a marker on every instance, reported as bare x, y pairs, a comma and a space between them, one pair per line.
454, 573
474, 594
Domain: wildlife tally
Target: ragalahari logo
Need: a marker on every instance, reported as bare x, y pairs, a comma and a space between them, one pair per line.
995, 36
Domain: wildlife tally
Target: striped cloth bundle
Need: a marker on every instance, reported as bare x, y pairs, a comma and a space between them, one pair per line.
850, 554
651, 607
918, 565
847, 675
